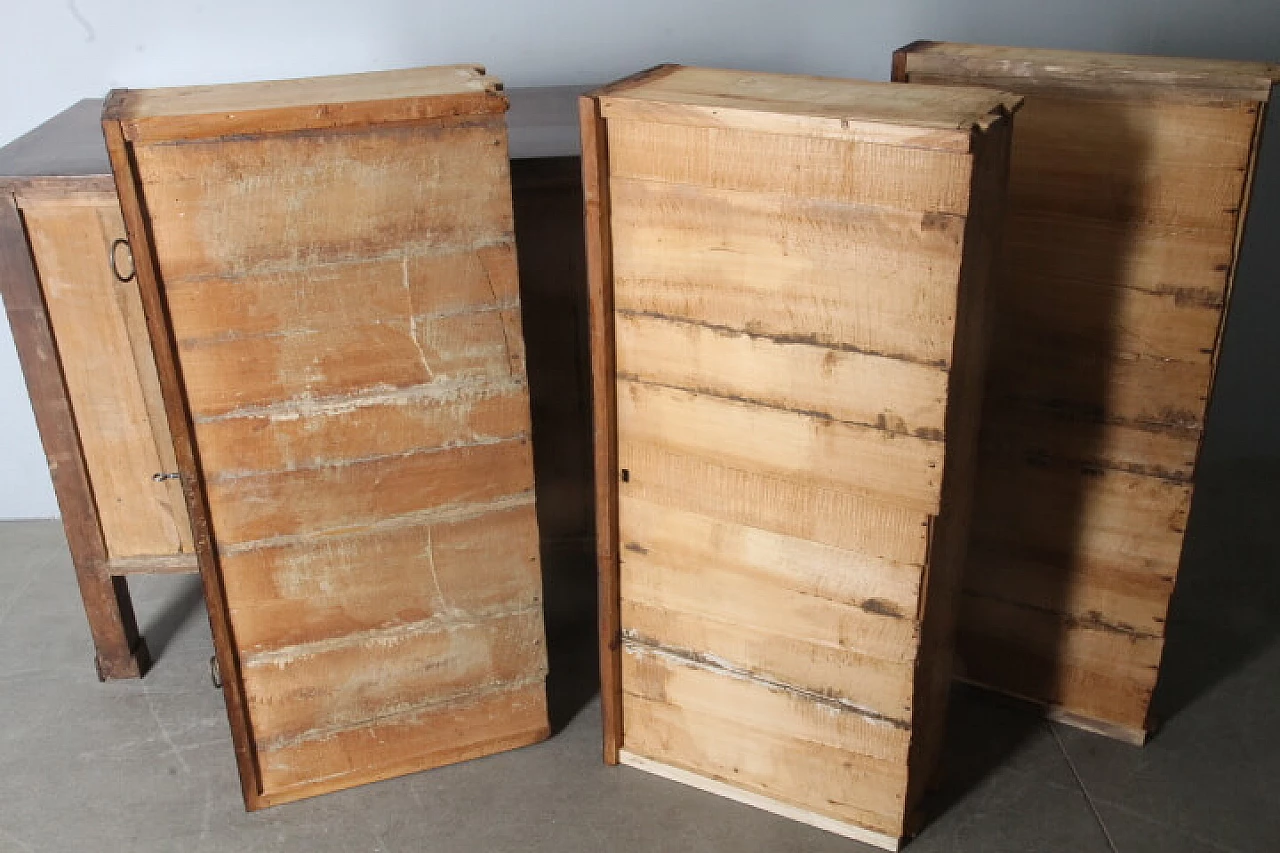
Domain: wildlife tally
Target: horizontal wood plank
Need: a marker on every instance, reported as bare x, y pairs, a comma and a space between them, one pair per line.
686, 541
700, 689
807, 450
314, 433
894, 395
271, 187
876, 281
417, 740
875, 685
315, 689
1044, 252
1099, 674
789, 769
349, 293
348, 497
696, 582
874, 528
232, 374
1032, 367
1090, 592
310, 590
833, 171
1127, 522
1036, 436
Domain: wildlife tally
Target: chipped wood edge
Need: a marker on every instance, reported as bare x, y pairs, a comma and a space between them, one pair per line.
595, 186
759, 801
146, 264
120, 651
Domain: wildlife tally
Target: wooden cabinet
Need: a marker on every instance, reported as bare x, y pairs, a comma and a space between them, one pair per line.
1129, 183
60, 172
328, 272
787, 276
74, 307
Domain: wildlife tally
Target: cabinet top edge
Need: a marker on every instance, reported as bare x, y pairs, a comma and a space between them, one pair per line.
333, 91
944, 117
1022, 69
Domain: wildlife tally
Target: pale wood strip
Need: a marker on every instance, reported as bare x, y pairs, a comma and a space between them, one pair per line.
768, 804
873, 280
865, 793
351, 293
159, 564
313, 590
313, 690
273, 190
663, 580
1124, 522
810, 451
876, 685
894, 395
347, 497
400, 352
704, 689
876, 631
877, 529
71, 247
1101, 674
431, 737
822, 170
686, 541
430, 416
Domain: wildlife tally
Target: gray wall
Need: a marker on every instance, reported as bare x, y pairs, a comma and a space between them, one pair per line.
58, 52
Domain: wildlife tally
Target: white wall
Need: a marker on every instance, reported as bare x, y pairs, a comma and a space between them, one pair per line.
59, 51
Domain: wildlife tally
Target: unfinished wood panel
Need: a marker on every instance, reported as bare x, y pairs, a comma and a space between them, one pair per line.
90, 314
798, 271
788, 361
340, 318
1129, 183
797, 446
479, 561
853, 387
773, 759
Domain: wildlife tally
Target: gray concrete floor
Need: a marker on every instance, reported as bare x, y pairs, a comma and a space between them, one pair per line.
147, 766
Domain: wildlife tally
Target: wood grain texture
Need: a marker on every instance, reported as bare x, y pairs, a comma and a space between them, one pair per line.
789, 357
807, 106
311, 103
94, 318
120, 650
598, 215
342, 325
1129, 182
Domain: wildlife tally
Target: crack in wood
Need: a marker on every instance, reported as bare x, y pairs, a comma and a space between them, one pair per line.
811, 340
446, 514
639, 644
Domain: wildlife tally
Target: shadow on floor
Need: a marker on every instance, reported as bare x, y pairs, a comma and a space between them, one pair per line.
184, 603
1226, 608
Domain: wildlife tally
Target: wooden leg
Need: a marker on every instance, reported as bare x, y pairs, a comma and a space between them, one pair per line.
121, 652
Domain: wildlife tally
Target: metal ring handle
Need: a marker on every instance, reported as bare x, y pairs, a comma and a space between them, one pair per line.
115, 269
